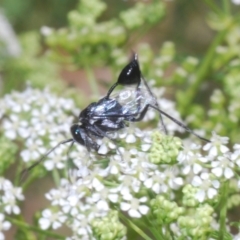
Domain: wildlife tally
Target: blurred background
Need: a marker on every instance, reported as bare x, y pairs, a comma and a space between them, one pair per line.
182, 22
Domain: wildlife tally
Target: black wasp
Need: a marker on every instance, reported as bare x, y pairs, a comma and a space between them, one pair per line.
112, 112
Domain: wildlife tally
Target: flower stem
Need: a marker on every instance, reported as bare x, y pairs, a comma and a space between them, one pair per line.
25, 226
226, 6
223, 210
204, 68
134, 227
92, 81
213, 7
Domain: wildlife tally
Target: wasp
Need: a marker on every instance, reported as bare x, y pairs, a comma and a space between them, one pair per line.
113, 112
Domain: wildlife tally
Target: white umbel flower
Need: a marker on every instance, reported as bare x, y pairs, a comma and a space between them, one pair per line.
134, 206
217, 145
224, 166
4, 226
207, 187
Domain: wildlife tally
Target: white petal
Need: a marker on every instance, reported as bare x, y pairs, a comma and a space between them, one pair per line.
11, 134
213, 151
207, 146
148, 183
224, 149
49, 165
134, 213
102, 205
2, 237
200, 196
113, 197
125, 206
114, 170
73, 200
16, 210
97, 184
228, 173
216, 183
197, 168
143, 209
186, 169
131, 138
215, 163
217, 171
156, 188
145, 147
204, 175
143, 199
127, 196
44, 223
6, 225
103, 149
56, 225
178, 181
211, 192
197, 181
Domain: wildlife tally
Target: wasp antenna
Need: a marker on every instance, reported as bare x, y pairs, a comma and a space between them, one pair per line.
68, 169
26, 170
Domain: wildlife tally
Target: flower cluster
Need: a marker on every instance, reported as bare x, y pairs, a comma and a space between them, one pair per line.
39, 120
143, 175
9, 197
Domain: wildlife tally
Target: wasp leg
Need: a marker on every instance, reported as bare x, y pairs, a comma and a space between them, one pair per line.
144, 111
151, 93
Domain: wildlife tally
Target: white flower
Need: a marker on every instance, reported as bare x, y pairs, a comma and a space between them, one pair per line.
207, 187
5, 184
81, 225
10, 204
51, 219
134, 206
223, 166
169, 107
128, 184
189, 158
13, 126
4, 226
172, 178
236, 148
113, 168
14, 192
237, 2
56, 159
217, 145
131, 133
34, 150
57, 196
156, 181
106, 194
8, 38
46, 31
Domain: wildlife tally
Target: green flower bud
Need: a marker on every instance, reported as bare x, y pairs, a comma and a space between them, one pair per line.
109, 227
164, 211
197, 225
164, 149
190, 64
7, 151
189, 198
